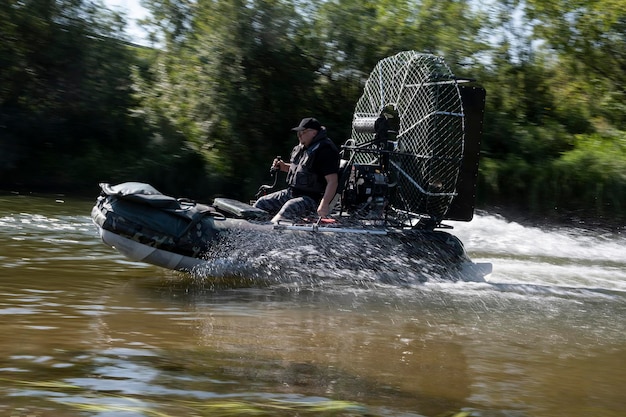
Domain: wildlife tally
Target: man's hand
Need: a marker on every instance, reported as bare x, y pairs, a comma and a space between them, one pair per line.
323, 209
279, 165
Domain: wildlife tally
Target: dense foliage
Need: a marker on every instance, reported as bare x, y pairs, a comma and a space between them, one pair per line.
205, 109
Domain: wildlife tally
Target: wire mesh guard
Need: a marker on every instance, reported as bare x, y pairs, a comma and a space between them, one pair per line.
425, 161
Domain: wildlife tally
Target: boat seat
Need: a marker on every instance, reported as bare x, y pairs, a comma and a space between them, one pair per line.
238, 208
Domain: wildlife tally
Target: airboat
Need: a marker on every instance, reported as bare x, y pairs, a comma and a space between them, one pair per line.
410, 164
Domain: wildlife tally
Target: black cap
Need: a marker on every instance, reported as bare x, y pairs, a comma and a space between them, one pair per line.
308, 123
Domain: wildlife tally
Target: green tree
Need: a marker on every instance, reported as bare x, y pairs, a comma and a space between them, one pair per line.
589, 38
555, 86
64, 90
233, 85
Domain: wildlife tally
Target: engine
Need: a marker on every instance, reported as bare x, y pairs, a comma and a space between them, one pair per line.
366, 190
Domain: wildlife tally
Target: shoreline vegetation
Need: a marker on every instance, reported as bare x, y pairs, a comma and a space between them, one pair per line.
202, 111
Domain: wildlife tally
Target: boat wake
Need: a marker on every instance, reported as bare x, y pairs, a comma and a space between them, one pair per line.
546, 260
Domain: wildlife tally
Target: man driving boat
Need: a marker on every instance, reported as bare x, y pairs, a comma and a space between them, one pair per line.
312, 175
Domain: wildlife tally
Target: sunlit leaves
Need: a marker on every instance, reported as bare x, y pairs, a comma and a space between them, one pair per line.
360, 33
588, 32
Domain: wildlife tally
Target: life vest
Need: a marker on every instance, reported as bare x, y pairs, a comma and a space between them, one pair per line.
301, 176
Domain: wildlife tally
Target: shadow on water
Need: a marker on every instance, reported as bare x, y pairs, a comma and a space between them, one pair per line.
316, 345
432, 347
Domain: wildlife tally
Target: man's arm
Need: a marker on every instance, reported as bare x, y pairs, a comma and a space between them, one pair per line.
332, 180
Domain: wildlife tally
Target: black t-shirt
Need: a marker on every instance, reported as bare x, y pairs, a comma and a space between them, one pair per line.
326, 161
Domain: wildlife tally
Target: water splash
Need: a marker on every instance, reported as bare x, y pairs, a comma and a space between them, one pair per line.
552, 258
310, 258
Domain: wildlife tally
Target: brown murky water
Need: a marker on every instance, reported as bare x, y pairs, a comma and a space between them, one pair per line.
85, 332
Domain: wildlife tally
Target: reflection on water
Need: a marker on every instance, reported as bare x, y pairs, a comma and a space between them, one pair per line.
86, 332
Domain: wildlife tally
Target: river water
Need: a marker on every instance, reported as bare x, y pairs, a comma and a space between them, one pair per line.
86, 332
